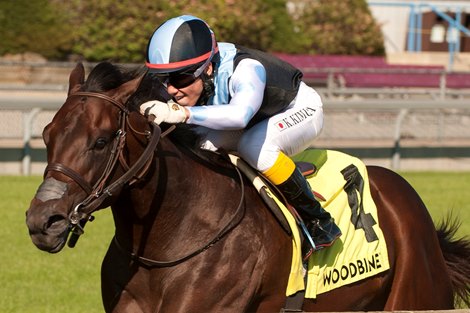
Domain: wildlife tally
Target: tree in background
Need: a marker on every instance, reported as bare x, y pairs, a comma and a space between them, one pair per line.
258, 24
119, 30
337, 27
33, 26
113, 30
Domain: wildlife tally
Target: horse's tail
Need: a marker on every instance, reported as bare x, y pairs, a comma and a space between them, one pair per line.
457, 256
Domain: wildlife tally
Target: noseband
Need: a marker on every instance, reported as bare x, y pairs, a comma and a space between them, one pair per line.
99, 192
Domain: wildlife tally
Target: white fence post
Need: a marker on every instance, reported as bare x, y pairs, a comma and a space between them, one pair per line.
396, 148
27, 134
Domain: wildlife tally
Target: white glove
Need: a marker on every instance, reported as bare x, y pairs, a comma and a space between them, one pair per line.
170, 112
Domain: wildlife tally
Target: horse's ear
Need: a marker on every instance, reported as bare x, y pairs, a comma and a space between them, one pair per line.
126, 90
77, 78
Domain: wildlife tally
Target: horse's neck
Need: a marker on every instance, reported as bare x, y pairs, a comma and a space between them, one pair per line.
184, 198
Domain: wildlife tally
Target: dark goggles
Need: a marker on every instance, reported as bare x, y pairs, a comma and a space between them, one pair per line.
178, 80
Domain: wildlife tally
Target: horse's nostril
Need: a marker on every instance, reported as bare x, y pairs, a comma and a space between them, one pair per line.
54, 221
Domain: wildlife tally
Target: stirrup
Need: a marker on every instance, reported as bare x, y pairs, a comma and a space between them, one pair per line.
312, 243
329, 236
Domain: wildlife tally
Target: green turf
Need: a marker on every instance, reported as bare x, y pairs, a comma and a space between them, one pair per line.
443, 193
35, 281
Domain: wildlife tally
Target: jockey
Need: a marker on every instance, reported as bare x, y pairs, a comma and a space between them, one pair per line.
242, 100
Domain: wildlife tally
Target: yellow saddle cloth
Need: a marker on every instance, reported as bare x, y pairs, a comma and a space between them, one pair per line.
361, 251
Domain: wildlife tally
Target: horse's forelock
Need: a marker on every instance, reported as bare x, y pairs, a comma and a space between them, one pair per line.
106, 76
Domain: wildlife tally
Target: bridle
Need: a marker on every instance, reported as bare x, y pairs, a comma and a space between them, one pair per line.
99, 192
102, 189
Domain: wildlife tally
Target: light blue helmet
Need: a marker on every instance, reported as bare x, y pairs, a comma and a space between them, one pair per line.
180, 43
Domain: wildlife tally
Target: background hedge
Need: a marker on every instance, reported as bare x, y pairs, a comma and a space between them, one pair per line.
119, 30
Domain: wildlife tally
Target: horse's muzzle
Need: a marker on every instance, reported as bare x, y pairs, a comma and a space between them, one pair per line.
47, 227
47, 216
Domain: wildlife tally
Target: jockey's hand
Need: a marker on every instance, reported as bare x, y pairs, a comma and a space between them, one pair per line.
170, 112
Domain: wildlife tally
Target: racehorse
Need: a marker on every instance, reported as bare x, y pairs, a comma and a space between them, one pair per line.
191, 235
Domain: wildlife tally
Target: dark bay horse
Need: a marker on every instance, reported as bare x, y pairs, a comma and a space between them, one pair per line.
192, 236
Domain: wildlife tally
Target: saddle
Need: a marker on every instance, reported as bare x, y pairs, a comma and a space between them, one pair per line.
266, 189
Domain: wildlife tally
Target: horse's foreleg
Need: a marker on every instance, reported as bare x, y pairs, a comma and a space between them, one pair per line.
117, 277
126, 303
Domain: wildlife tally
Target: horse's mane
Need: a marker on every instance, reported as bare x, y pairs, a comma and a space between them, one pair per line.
106, 76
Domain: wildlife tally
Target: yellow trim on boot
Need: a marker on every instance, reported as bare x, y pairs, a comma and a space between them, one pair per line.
281, 170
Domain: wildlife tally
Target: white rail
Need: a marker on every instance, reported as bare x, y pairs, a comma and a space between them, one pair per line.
361, 130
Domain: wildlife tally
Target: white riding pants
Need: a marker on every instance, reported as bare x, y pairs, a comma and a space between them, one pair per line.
290, 131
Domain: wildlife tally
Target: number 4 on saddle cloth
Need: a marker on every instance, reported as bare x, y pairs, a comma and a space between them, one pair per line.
342, 187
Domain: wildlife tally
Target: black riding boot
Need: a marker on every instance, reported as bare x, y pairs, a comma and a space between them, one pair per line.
319, 222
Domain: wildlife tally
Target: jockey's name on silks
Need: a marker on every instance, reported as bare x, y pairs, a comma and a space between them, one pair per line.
294, 118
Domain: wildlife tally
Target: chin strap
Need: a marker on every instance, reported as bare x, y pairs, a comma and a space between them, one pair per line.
208, 88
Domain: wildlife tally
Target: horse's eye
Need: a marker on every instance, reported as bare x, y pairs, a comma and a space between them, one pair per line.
101, 143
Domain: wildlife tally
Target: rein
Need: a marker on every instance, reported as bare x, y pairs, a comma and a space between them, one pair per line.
98, 193
234, 220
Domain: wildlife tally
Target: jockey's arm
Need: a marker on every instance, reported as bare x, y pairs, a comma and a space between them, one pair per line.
246, 86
